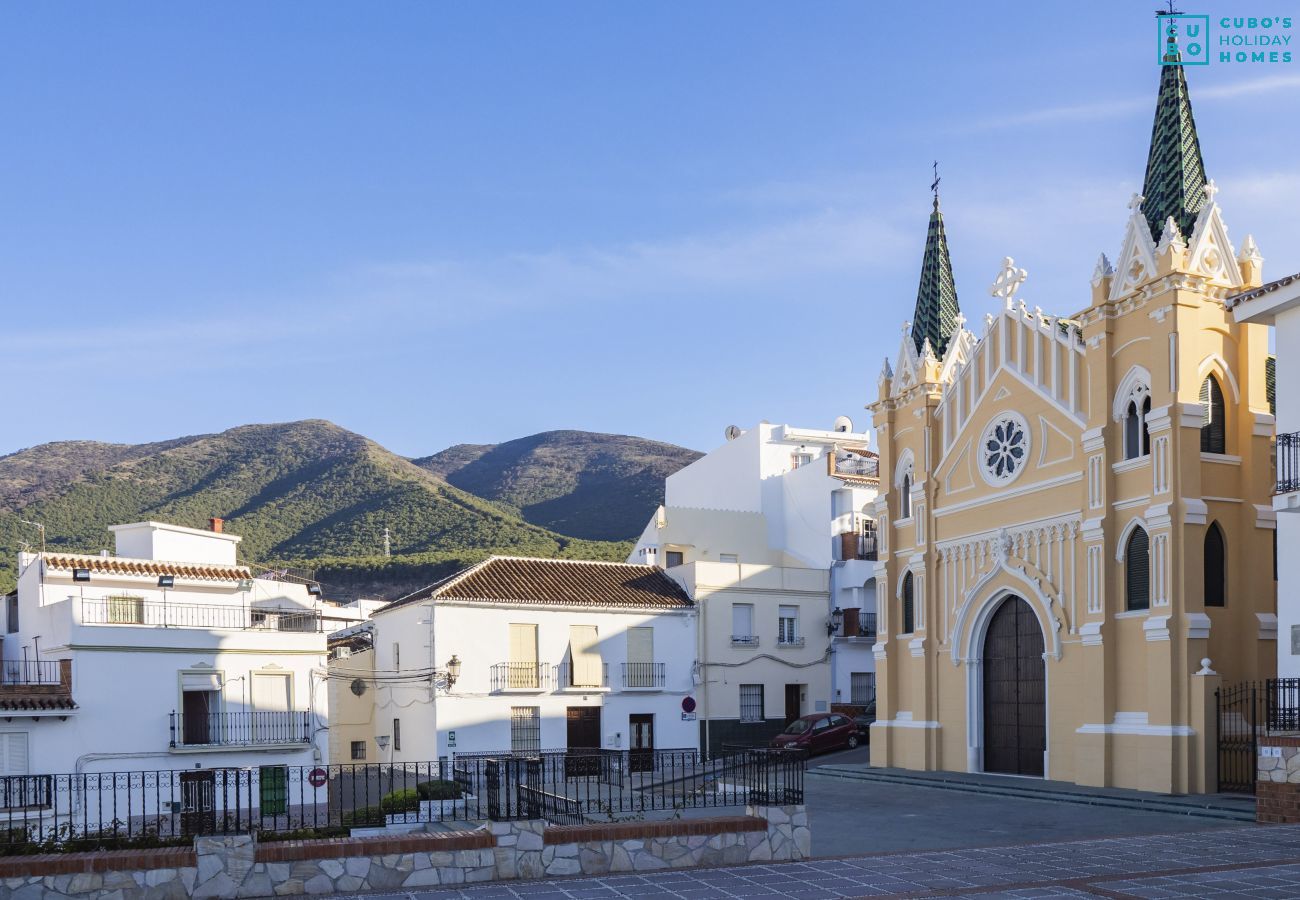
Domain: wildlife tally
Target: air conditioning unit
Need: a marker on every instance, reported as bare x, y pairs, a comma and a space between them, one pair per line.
342, 652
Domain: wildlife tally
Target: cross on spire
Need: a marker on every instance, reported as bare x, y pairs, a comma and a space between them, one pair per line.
1175, 177
935, 185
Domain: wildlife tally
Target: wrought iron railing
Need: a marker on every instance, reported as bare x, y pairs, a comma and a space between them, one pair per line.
1288, 462
520, 676
128, 610
88, 811
29, 671
569, 676
744, 640
643, 675
253, 728
1282, 703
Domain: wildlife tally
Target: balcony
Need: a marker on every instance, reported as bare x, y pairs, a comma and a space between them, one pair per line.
643, 676
858, 625
582, 677
859, 545
744, 640
521, 677
1288, 463
36, 687
258, 728
789, 642
136, 611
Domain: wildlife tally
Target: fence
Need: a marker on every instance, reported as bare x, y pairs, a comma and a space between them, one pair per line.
1288, 462
158, 808
29, 671
128, 610
1283, 704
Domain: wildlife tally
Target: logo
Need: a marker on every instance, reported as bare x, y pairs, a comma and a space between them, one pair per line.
1183, 40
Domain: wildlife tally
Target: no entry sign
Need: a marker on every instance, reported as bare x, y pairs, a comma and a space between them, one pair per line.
317, 777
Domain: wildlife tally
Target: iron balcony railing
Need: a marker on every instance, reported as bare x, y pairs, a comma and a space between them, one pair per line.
1288, 462
744, 640
790, 640
643, 675
127, 610
520, 676
859, 545
855, 623
29, 671
582, 676
240, 729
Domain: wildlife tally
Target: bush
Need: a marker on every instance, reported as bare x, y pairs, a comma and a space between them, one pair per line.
402, 801
439, 790
364, 815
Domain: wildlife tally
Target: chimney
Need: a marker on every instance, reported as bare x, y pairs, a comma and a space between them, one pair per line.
215, 525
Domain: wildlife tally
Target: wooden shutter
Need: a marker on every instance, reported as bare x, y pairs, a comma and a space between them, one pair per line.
908, 604
585, 655
1213, 425
1215, 592
640, 645
13, 753
523, 643
1137, 570
742, 620
271, 692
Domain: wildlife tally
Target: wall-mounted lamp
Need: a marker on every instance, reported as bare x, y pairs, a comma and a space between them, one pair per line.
453, 670
166, 581
833, 623
80, 574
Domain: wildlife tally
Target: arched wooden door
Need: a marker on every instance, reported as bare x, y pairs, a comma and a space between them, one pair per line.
1015, 700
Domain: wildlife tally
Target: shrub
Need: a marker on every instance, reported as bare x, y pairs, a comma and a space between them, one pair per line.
439, 790
364, 815
401, 801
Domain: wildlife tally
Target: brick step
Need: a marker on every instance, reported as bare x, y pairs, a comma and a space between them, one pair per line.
1201, 806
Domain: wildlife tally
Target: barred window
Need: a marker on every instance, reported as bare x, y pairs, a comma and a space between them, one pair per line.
751, 703
358, 749
1137, 571
862, 688
787, 625
525, 729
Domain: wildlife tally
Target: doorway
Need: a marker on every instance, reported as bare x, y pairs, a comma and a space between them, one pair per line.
198, 802
1015, 700
200, 723
641, 743
583, 748
793, 705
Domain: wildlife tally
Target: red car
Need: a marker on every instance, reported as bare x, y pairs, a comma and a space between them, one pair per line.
819, 733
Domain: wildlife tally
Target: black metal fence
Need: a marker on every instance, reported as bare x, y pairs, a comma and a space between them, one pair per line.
29, 671
1288, 462
1283, 704
46, 813
1240, 716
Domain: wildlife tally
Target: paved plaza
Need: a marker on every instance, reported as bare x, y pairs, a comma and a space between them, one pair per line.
1241, 861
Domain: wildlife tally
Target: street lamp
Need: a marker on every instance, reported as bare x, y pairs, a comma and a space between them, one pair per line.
833, 623
453, 670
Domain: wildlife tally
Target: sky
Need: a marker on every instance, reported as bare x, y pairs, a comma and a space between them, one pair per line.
441, 222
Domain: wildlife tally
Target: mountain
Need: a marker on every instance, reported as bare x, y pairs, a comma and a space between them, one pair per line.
593, 486
311, 493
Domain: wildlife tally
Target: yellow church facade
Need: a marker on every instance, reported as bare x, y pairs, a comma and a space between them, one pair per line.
1077, 511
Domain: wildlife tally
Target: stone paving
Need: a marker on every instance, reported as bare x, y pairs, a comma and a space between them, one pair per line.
1244, 861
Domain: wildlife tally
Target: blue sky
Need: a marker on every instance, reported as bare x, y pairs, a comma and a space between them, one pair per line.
436, 223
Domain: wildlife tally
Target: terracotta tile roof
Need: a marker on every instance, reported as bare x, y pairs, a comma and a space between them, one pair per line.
149, 568
1260, 291
34, 702
559, 582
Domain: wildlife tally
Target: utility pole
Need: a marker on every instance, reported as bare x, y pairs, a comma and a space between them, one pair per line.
388, 544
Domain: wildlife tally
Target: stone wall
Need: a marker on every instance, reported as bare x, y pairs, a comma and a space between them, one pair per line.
1277, 783
238, 866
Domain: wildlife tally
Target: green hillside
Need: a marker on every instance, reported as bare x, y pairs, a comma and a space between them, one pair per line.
565, 480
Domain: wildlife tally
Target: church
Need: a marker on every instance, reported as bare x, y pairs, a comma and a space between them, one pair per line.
1075, 512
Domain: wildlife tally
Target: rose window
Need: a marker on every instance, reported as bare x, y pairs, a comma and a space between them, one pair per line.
1005, 449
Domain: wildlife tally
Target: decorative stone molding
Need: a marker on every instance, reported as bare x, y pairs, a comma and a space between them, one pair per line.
1090, 632
1156, 628
1198, 627
1267, 626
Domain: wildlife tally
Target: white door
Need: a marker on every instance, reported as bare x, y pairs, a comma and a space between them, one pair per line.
272, 720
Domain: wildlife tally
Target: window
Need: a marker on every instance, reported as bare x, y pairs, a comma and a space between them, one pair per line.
822, 725
522, 670
1137, 438
731, 558
862, 688
673, 558
13, 753
1137, 571
909, 607
905, 498
525, 729
586, 668
1215, 567
751, 703
397, 734
742, 622
397, 657
787, 625
273, 790
1214, 433
11, 615
358, 749
802, 458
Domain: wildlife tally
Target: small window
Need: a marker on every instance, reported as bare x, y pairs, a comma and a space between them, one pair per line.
397, 734
1215, 568
673, 558
525, 729
1137, 571
908, 605
397, 657
742, 621
905, 498
1214, 432
787, 625
728, 558
358, 749
751, 703
862, 688
11, 616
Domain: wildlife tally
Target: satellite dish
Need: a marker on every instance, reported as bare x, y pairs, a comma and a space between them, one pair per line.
358, 686
733, 432
843, 423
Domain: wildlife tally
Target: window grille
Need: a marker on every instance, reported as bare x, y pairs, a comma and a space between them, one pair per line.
358, 749
751, 703
525, 729
862, 688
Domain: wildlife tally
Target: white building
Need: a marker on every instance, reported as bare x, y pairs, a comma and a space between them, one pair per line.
1278, 304
773, 536
167, 656
518, 654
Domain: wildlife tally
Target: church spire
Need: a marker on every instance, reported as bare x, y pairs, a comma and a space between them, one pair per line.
1175, 179
936, 313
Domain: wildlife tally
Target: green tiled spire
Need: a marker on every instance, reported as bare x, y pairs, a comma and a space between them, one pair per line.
936, 299
1175, 181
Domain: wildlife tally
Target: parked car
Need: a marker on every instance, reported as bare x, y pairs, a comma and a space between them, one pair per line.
819, 733
863, 721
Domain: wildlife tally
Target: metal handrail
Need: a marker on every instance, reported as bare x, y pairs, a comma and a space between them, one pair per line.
520, 676
644, 675
240, 728
136, 611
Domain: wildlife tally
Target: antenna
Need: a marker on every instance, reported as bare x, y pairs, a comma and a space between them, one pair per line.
388, 544
40, 530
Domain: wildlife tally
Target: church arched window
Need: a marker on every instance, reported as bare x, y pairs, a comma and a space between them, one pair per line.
908, 605
905, 498
1137, 438
1216, 570
1137, 570
1214, 431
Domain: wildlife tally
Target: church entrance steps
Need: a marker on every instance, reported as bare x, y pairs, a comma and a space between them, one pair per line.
1230, 807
